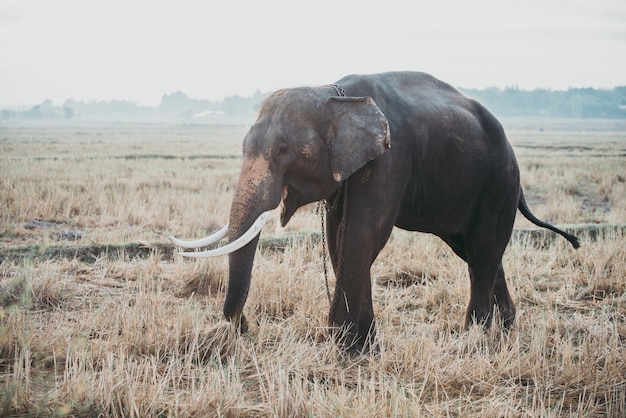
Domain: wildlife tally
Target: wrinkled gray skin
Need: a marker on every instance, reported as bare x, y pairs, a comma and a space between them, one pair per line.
415, 154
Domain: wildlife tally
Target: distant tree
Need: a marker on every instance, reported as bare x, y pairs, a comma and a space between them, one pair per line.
7, 114
174, 101
33, 113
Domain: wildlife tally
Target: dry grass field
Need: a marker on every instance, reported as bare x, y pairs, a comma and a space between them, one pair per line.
98, 317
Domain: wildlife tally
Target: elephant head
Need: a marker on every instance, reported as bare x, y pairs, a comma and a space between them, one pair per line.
305, 142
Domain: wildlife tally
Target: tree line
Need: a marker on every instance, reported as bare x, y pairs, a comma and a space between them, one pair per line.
572, 103
173, 108
179, 108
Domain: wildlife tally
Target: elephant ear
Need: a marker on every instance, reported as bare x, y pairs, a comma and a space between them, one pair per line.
358, 134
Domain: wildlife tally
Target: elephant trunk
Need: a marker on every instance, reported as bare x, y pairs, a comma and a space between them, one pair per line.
255, 195
240, 270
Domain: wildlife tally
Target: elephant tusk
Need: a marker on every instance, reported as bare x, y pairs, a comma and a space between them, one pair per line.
245, 238
211, 239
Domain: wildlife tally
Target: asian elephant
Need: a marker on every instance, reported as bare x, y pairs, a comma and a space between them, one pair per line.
395, 149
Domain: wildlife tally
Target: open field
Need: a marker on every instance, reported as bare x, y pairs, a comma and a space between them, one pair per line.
99, 318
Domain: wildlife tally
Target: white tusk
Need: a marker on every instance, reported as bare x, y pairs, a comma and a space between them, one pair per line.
247, 236
211, 239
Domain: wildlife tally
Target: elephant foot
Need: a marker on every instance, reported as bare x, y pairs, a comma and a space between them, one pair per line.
480, 317
240, 322
507, 315
484, 318
356, 344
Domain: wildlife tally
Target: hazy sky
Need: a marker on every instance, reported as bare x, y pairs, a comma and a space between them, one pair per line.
140, 49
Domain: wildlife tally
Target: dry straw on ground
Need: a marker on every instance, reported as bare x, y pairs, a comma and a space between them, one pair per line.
97, 328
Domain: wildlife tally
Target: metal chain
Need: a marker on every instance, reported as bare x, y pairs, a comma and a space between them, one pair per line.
339, 90
322, 207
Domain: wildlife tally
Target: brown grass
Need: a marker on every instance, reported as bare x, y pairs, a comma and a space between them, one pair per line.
118, 334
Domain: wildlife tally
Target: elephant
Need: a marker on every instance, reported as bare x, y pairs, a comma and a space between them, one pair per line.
397, 149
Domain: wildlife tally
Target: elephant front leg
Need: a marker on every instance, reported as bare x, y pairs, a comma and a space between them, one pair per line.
371, 208
351, 316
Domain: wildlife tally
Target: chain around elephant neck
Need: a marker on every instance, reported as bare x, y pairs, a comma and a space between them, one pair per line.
339, 90
324, 207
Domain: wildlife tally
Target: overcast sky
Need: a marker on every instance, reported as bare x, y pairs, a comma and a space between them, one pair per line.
140, 49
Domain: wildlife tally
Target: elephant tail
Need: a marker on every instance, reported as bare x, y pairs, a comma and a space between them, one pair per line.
523, 207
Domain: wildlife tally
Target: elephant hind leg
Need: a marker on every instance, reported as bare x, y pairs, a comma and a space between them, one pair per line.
480, 307
484, 247
479, 310
489, 288
503, 300
457, 244
482, 280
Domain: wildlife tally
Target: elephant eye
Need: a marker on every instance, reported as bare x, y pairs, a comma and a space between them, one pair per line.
283, 147
280, 151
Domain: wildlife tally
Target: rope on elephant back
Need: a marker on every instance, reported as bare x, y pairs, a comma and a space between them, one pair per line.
322, 207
